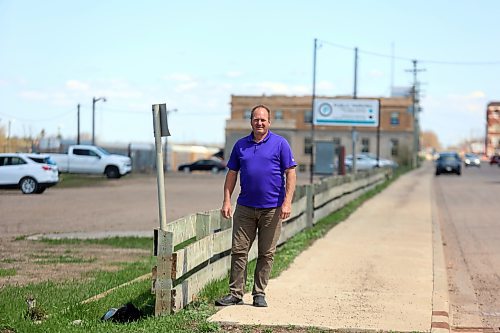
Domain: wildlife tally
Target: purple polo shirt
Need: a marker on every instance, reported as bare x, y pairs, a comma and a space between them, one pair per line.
262, 167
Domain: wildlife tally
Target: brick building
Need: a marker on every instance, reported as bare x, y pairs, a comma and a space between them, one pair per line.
493, 129
291, 117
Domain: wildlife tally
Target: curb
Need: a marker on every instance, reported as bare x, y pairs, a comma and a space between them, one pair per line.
440, 322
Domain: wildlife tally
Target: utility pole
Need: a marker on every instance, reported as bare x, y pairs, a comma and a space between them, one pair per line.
415, 110
78, 125
311, 167
354, 134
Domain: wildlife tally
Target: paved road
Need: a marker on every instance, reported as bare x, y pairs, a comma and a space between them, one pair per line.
469, 211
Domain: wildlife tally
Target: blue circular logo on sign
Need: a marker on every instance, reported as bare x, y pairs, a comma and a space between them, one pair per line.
325, 109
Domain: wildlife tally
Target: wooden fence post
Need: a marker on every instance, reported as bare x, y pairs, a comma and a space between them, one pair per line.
310, 205
163, 282
203, 225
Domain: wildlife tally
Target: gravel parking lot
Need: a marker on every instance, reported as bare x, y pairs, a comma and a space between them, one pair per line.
127, 204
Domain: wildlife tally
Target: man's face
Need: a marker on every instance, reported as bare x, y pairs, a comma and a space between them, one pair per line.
260, 121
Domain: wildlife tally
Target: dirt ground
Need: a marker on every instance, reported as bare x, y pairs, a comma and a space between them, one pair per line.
129, 204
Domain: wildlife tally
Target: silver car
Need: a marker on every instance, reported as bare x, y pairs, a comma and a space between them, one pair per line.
472, 160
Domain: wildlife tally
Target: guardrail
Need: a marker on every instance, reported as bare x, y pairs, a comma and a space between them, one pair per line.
195, 250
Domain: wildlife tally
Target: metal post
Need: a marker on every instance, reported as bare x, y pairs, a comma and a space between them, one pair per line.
354, 134
378, 136
311, 167
159, 167
414, 107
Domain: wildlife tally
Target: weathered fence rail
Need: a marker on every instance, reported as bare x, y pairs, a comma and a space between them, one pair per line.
195, 249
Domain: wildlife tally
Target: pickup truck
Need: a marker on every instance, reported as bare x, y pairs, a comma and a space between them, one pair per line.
92, 160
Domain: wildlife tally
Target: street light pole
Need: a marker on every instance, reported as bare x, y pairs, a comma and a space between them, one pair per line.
78, 125
94, 100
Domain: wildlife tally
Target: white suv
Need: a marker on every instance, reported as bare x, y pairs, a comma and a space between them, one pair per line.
32, 173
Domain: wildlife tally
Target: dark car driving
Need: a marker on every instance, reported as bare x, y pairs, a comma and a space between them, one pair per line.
448, 163
211, 165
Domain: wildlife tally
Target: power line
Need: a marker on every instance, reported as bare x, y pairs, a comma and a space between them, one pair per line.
148, 113
438, 62
67, 113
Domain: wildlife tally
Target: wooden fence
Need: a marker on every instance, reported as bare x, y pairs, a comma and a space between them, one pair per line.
195, 250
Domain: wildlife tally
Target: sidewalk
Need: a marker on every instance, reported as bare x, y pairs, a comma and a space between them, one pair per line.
374, 271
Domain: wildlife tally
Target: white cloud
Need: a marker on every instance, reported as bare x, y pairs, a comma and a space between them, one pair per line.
473, 95
324, 87
77, 85
234, 74
183, 87
121, 94
180, 77
32, 95
279, 88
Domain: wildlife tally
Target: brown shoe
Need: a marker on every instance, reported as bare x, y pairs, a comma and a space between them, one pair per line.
228, 300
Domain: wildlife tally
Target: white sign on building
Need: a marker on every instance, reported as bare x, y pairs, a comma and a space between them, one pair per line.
346, 112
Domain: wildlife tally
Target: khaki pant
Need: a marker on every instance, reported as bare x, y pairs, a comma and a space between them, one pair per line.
247, 223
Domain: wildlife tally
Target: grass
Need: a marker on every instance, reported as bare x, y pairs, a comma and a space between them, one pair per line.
62, 301
7, 272
77, 180
119, 242
49, 259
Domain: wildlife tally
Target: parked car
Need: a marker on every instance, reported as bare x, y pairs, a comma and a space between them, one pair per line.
382, 162
495, 159
472, 160
211, 165
32, 173
362, 162
448, 162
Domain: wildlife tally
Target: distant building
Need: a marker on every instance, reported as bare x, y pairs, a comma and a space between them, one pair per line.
291, 117
492, 140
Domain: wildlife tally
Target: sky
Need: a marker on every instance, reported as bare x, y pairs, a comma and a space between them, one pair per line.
193, 55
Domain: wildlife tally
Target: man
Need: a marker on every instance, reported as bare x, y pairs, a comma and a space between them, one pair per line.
264, 160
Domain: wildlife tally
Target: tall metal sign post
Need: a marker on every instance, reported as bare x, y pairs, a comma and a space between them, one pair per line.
163, 246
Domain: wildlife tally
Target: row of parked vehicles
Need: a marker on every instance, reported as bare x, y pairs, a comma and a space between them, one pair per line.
34, 173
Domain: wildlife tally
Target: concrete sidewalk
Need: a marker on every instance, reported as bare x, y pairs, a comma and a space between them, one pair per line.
374, 271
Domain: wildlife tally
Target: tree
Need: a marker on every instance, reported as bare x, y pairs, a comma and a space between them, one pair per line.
430, 141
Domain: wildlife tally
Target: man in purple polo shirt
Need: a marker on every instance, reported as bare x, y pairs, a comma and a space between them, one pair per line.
267, 179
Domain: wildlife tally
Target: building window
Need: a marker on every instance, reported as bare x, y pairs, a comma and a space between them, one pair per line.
308, 116
365, 145
278, 115
247, 114
394, 147
307, 146
394, 118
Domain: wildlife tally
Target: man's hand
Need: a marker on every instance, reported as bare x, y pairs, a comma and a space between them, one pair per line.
226, 210
286, 210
